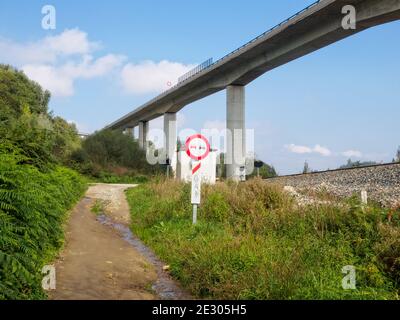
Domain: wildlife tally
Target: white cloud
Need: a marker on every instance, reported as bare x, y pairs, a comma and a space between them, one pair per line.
307, 150
59, 80
50, 78
55, 62
352, 154
47, 50
322, 150
298, 149
70, 42
151, 77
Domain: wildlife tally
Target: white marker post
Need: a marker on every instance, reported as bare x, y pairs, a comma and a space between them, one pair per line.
197, 148
196, 194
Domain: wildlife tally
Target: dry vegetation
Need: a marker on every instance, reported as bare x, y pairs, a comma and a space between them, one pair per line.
254, 242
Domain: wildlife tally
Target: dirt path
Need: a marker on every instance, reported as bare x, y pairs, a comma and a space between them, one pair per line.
99, 263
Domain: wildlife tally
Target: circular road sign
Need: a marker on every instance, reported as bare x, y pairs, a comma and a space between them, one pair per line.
197, 147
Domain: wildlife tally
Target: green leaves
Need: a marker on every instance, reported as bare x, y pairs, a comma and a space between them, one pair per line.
33, 207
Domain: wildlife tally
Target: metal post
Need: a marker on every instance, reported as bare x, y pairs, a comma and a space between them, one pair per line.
195, 214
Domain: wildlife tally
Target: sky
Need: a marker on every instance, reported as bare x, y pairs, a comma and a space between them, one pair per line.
106, 58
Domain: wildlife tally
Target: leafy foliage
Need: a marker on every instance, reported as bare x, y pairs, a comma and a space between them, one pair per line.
112, 155
18, 93
397, 159
265, 171
356, 164
26, 122
33, 208
35, 192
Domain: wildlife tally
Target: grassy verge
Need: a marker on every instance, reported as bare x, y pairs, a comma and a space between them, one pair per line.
254, 242
116, 179
33, 209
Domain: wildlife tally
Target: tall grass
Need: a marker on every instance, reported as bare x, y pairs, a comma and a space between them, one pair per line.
253, 242
33, 208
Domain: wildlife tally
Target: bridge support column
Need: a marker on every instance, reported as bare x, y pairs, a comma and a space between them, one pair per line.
236, 133
171, 139
143, 131
129, 132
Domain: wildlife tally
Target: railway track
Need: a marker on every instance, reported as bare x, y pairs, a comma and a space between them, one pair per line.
382, 182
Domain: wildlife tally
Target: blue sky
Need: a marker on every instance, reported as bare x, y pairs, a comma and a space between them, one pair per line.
106, 58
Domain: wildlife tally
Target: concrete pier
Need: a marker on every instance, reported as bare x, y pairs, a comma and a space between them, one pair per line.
171, 139
143, 131
236, 133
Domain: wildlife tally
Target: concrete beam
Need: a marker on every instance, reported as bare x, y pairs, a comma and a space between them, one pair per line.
311, 30
143, 132
236, 133
171, 139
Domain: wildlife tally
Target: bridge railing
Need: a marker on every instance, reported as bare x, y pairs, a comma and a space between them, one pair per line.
196, 70
209, 63
268, 31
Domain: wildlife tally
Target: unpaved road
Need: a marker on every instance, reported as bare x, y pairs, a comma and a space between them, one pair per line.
97, 262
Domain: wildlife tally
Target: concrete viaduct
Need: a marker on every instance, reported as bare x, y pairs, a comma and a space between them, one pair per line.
315, 27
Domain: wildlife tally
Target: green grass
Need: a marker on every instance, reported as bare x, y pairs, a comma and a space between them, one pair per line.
34, 205
253, 242
98, 207
119, 179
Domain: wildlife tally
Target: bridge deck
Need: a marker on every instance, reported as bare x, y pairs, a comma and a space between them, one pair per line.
309, 30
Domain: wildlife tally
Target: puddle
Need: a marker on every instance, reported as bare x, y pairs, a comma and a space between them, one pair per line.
165, 287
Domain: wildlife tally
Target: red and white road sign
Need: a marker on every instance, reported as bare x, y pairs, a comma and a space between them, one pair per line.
197, 148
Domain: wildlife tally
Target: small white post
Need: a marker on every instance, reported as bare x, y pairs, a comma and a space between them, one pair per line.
364, 197
195, 214
196, 194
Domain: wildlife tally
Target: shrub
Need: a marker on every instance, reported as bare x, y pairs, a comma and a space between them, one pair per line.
112, 156
33, 208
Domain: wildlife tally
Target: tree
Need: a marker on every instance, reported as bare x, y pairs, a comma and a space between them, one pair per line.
266, 171
306, 168
398, 155
26, 122
111, 151
179, 145
357, 164
18, 92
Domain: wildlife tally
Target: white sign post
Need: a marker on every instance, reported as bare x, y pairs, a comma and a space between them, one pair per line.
196, 194
197, 148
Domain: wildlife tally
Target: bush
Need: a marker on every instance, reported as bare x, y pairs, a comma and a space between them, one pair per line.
33, 207
112, 156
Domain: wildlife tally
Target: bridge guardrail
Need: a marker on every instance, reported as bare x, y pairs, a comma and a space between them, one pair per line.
209, 63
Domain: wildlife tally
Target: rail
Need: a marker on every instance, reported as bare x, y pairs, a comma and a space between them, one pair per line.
336, 170
196, 70
207, 65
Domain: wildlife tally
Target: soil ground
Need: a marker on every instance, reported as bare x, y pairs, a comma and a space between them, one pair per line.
97, 263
